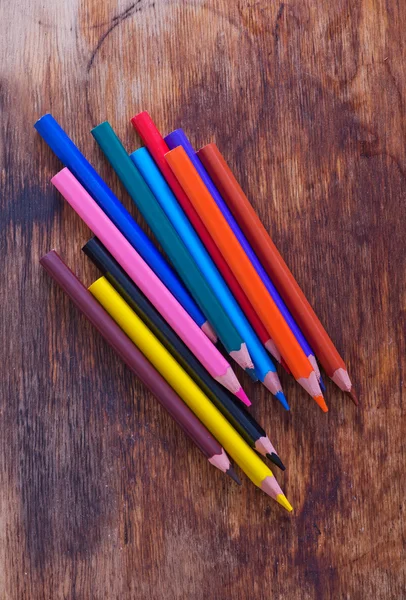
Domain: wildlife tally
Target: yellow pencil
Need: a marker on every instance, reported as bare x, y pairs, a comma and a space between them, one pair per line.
187, 389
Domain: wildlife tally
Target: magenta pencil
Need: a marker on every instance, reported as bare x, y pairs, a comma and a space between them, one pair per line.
148, 282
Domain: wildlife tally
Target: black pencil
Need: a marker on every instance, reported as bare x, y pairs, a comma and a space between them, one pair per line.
233, 410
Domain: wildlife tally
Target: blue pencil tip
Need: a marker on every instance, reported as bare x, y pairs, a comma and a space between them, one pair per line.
322, 385
282, 399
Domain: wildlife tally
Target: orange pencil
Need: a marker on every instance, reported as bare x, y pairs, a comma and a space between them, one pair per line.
245, 273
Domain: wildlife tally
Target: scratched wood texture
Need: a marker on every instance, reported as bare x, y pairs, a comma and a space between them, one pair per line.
101, 496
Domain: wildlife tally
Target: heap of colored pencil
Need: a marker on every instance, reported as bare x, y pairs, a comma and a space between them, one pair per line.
222, 283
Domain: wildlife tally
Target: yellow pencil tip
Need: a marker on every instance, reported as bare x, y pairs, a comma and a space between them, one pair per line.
283, 501
321, 402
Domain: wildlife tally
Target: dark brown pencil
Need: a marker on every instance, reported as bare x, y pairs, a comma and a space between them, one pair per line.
136, 361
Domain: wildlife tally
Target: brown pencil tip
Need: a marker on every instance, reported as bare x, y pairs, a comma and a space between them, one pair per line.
233, 475
353, 396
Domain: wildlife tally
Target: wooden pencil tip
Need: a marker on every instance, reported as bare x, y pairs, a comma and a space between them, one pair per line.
231, 473
353, 396
283, 501
321, 402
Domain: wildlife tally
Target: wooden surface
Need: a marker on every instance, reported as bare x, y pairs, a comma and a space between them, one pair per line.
101, 496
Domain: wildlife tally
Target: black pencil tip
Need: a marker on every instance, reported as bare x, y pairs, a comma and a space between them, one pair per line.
233, 475
276, 460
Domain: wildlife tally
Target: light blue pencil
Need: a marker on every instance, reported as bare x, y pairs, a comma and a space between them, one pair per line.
264, 367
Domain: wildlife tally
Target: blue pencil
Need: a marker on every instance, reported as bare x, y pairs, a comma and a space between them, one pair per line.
179, 138
70, 155
264, 367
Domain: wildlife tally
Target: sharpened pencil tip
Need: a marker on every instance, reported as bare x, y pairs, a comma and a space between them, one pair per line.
353, 396
241, 395
322, 385
321, 402
231, 473
276, 460
283, 501
282, 399
252, 374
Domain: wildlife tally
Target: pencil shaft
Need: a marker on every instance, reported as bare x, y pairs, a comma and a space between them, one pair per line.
170, 241
71, 157
145, 278
131, 355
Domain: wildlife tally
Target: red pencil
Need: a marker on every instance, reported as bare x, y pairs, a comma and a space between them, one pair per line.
157, 146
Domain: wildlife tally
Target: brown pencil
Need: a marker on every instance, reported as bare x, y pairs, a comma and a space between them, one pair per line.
137, 362
276, 267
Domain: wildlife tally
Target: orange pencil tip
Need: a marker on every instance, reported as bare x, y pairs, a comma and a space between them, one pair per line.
321, 402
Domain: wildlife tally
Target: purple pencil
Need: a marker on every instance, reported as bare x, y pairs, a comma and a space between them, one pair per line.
179, 138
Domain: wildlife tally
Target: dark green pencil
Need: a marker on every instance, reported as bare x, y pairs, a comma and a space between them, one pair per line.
230, 407
172, 244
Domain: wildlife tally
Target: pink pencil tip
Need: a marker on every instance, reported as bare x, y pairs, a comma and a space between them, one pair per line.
241, 395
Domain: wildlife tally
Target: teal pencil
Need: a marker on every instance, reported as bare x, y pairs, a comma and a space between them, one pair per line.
172, 244
264, 367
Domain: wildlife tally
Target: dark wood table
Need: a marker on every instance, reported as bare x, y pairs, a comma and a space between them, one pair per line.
101, 495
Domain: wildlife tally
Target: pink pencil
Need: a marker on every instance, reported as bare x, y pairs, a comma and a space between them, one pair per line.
148, 282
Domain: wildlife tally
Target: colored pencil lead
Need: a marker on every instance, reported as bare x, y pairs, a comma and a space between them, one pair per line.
241, 395
270, 486
276, 460
264, 446
231, 473
282, 399
321, 402
352, 394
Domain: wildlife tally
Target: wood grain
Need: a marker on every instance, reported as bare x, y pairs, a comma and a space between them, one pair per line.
307, 102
